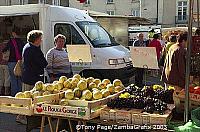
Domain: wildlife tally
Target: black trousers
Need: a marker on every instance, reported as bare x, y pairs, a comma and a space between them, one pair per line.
139, 77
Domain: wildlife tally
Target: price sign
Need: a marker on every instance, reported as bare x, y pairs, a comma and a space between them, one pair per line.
79, 53
144, 57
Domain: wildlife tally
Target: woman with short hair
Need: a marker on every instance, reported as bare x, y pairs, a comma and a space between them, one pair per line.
34, 61
57, 58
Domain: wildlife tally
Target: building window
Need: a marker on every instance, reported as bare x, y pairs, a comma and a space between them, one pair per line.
33, 1
132, 1
136, 13
182, 10
111, 12
110, 1
8, 2
87, 2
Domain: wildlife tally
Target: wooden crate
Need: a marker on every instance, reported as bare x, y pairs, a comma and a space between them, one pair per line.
75, 109
123, 116
137, 119
26, 107
50, 99
105, 114
26, 104
179, 101
157, 119
94, 103
66, 111
136, 116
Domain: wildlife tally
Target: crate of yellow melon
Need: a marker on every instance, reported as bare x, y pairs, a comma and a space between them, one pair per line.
20, 104
81, 97
23, 102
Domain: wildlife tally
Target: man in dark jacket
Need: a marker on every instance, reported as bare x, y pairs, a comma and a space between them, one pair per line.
174, 68
34, 61
140, 42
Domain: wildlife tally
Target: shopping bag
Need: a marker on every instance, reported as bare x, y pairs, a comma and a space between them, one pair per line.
18, 68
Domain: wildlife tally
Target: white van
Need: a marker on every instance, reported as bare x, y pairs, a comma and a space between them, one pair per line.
109, 59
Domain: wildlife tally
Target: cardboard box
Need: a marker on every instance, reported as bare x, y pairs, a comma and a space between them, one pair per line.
123, 116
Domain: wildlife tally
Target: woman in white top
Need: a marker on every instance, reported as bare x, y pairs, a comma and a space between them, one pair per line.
57, 58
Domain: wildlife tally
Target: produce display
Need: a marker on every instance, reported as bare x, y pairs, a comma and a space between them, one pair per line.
150, 99
155, 91
194, 89
75, 88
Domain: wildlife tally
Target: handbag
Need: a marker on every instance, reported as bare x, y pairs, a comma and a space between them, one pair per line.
18, 68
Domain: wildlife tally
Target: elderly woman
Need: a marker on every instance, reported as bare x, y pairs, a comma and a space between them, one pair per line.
34, 63
57, 58
34, 60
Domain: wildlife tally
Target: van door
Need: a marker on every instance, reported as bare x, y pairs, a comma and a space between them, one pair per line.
73, 37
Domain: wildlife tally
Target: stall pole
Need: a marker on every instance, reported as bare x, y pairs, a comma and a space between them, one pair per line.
42, 124
188, 55
50, 124
145, 75
57, 124
198, 13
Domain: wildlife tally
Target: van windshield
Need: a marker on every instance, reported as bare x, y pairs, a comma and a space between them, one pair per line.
97, 35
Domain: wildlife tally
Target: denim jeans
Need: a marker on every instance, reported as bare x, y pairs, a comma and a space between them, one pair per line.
16, 85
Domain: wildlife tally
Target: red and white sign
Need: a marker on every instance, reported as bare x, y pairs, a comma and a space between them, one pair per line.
58, 110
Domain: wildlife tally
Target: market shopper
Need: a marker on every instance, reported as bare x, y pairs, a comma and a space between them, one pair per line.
162, 40
34, 61
58, 61
172, 41
156, 43
4, 73
165, 49
174, 68
140, 42
15, 46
